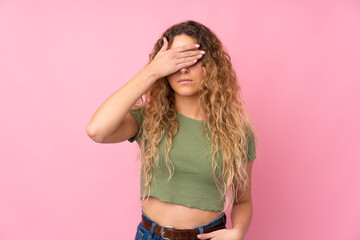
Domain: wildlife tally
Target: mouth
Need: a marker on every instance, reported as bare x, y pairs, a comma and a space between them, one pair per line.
185, 80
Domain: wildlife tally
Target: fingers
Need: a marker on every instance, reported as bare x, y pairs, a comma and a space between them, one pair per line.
165, 45
186, 64
186, 48
190, 59
190, 54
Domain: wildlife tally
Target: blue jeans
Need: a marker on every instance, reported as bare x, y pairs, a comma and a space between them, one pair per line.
143, 233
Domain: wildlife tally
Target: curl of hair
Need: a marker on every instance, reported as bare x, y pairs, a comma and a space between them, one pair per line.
222, 105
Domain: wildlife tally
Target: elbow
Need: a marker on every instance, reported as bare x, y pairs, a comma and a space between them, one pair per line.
93, 134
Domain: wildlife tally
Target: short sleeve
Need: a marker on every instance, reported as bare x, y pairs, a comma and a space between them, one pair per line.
251, 146
138, 114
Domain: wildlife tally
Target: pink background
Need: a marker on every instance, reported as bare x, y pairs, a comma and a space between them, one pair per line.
298, 66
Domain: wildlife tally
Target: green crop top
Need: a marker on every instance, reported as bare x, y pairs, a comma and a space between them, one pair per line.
192, 183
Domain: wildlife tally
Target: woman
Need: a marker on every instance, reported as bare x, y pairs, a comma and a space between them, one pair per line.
195, 138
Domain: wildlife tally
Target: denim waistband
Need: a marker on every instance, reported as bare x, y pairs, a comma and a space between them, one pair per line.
211, 223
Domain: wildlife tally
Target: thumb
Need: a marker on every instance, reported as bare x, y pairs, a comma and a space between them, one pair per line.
165, 45
202, 236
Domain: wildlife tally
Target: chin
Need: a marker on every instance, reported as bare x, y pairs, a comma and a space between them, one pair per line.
186, 93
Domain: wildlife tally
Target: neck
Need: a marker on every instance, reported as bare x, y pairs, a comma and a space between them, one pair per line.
188, 105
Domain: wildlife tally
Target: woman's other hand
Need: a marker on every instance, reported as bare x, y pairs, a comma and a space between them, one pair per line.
223, 234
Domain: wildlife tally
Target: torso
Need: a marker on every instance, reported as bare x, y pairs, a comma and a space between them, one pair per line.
178, 216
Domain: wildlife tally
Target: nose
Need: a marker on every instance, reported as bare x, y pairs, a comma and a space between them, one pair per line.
184, 70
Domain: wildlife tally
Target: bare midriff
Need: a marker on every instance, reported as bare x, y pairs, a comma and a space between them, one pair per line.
178, 216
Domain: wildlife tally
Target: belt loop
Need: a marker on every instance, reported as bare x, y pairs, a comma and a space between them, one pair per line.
201, 230
152, 230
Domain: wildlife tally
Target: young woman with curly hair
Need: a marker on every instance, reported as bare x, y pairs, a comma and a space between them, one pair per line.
195, 139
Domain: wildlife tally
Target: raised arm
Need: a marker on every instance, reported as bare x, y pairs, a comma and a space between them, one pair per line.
112, 122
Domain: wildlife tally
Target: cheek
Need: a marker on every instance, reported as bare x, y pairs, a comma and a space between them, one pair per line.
170, 77
198, 66
199, 71
171, 81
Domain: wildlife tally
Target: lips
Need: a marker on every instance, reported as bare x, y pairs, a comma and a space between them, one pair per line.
185, 80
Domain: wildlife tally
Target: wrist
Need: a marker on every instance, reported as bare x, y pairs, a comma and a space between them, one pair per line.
151, 73
239, 233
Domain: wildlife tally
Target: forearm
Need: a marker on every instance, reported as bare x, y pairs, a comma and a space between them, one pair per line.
110, 114
241, 216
